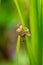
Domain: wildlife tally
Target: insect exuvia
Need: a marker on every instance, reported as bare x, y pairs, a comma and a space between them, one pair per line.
21, 32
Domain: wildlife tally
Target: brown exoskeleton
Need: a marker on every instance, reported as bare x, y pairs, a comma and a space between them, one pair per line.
22, 33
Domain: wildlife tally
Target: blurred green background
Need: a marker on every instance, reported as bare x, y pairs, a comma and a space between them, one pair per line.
30, 14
